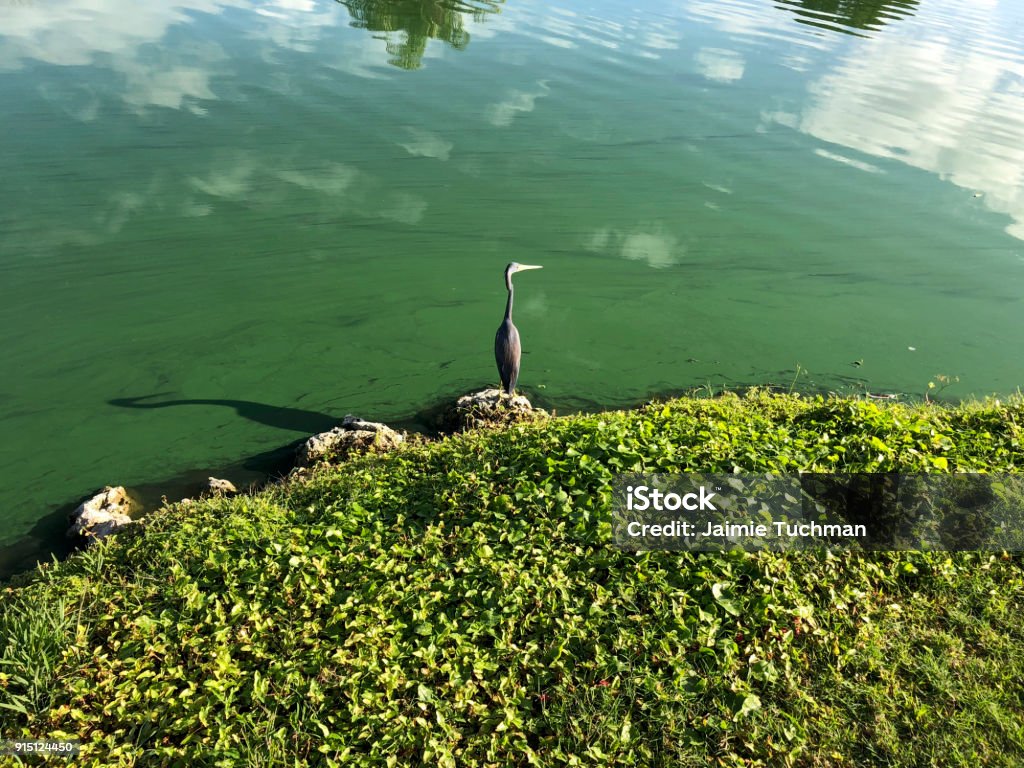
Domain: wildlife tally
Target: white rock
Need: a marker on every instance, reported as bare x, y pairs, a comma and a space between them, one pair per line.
490, 399
219, 487
101, 515
489, 407
355, 435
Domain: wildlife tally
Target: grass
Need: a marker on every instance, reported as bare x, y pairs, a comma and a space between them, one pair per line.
459, 603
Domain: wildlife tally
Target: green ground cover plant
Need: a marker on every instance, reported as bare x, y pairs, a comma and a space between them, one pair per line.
459, 603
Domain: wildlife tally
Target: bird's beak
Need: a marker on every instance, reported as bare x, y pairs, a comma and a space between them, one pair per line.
528, 266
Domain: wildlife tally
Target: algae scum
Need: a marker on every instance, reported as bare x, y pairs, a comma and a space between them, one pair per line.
225, 224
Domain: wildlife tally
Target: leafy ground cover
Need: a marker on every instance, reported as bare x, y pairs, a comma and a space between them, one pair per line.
459, 603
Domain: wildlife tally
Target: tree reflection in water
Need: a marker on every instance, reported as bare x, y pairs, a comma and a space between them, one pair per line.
849, 15
419, 20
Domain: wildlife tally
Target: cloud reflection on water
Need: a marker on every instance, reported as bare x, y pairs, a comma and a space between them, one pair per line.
651, 244
503, 113
942, 90
942, 101
134, 42
118, 35
337, 188
720, 65
422, 143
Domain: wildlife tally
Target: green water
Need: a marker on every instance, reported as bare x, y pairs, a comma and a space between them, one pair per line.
265, 215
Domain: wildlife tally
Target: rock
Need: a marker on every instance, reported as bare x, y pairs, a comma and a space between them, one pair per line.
489, 407
101, 515
218, 487
353, 436
490, 399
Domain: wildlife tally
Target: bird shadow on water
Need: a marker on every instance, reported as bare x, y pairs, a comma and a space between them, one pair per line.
279, 417
251, 471
47, 540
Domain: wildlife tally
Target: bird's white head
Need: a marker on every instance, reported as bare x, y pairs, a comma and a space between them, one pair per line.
517, 267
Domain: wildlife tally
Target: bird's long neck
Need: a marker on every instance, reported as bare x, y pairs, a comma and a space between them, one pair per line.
508, 304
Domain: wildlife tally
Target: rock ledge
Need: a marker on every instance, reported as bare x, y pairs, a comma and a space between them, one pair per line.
489, 408
353, 436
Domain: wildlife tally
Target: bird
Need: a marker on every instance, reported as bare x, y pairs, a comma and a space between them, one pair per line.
507, 350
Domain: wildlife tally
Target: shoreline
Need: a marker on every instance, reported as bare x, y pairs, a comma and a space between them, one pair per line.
250, 474
254, 473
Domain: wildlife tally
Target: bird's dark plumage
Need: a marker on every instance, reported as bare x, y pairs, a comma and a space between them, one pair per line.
507, 351
507, 348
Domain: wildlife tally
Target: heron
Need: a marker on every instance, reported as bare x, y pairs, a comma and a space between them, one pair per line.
507, 350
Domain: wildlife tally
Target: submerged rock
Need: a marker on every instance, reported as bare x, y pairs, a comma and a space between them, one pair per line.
489, 407
353, 436
101, 515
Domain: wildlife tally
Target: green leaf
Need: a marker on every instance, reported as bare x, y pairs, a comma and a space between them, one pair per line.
718, 591
751, 703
